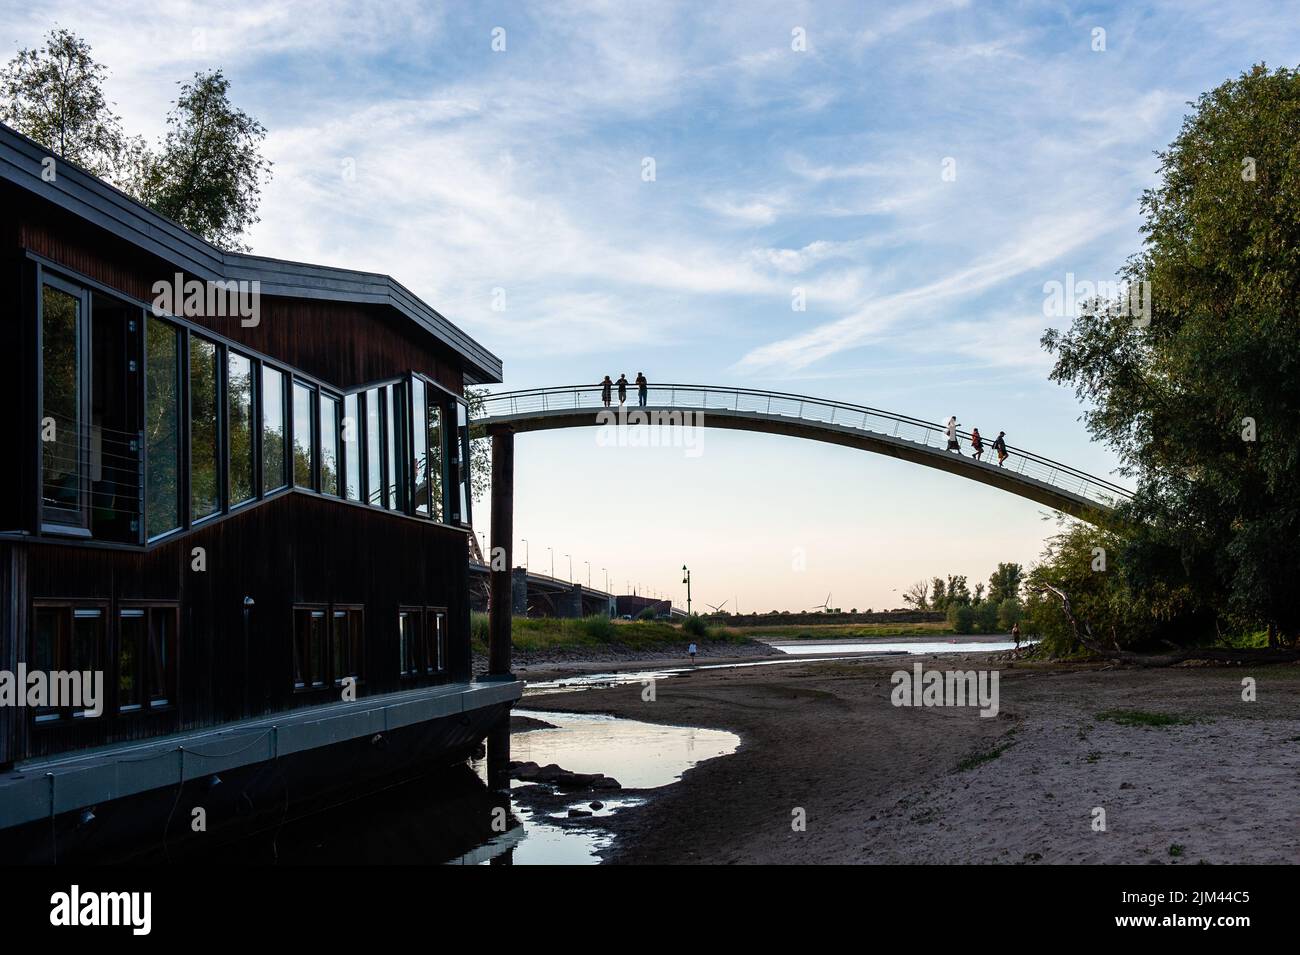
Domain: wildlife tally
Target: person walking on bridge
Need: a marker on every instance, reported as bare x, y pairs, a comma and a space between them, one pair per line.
622, 388
641, 387
952, 435
976, 443
605, 387
1000, 446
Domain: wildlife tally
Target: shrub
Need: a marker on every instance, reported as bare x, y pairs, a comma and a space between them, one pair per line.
597, 626
961, 617
695, 626
986, 616
1008, 613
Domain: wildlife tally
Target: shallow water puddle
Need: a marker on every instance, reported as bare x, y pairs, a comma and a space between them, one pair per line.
804, 649
639, 755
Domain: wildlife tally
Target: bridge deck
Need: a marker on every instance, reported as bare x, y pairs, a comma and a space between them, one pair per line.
1026, 474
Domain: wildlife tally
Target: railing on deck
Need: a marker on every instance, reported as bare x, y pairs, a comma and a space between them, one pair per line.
845, 415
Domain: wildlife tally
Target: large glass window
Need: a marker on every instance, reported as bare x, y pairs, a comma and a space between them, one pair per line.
462, 455
242, 426
304, 416
419, 449
351, 448
146, 658
435, 648
410, 640
391, 430
374, 450
63, 439
347, 632
329, 444
162, 425
67, 638
309, 647
273, 437
437, 502
205, 485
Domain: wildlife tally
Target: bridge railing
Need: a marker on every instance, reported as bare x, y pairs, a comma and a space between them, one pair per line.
511, 404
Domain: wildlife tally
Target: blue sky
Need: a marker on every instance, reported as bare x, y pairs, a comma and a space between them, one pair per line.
403, 143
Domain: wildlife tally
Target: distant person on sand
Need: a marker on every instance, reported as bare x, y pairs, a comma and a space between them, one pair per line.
952, 435
976, 443
692, 650
622, 388
1000, 446
641, 386
1015, 634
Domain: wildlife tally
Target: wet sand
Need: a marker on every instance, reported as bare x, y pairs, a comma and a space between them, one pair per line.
879, 783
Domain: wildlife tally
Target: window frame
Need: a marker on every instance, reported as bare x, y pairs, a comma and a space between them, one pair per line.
67, 715
58, 520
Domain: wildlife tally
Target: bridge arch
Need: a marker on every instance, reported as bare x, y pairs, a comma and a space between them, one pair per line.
1025, 474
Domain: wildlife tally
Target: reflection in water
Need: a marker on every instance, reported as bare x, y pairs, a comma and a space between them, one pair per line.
639, 755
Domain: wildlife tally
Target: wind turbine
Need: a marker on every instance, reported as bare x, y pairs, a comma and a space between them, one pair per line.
718, 607
824, 605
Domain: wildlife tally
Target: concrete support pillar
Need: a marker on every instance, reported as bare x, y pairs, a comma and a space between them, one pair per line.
568, 603
500, 560
519, 588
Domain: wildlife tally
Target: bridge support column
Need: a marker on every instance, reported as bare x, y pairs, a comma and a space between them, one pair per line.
500, 562
519, 584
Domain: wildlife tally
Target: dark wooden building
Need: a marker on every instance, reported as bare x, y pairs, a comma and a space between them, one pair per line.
235, 486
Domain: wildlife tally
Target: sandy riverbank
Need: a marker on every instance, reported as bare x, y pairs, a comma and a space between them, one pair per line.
880, 783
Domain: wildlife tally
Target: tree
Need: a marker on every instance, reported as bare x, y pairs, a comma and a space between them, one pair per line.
1200, 402
979, 592
958, 592
209, 173
961, 617
939, 594
1004, 584
55, 95
1008, 613
480, 449
917, 595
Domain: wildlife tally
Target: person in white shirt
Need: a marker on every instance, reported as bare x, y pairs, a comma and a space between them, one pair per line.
952, 435
692, 650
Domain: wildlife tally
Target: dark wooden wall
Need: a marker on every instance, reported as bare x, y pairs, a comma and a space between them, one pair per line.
292, 549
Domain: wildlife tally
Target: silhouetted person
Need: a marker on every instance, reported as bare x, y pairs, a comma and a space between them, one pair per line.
952, 435
692, 650
1000, 446
622, 388
1015, 634
641, 387
976, 443
605, 387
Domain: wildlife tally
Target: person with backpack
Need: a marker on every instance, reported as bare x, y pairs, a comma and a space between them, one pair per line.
1000, 446
605, 387
976, 443
952, 435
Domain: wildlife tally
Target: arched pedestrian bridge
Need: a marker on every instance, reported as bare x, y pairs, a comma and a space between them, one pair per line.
835, 422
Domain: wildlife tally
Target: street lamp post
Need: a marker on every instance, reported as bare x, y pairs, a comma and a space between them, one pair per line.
588, 563
525, 541
686, 579
570, 567
552, 553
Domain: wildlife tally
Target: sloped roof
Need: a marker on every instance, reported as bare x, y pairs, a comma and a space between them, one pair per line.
95, 201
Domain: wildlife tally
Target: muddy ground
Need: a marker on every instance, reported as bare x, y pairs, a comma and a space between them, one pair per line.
881, 783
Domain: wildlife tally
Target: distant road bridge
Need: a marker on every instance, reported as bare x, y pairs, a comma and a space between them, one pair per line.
1025, 474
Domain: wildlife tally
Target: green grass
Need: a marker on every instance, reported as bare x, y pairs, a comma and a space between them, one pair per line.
1144, 718
846, 631
980, 758
547, 633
